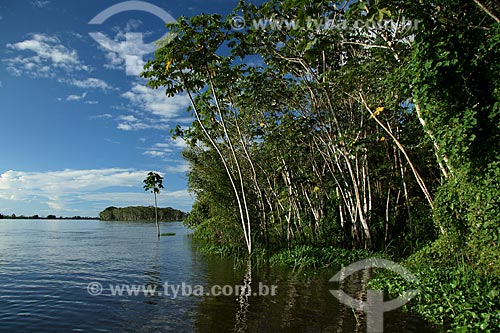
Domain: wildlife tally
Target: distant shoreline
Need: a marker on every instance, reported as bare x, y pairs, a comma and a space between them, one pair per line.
124, 214
48, 217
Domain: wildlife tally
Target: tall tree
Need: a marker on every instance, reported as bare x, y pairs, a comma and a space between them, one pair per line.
189, 62
153, 183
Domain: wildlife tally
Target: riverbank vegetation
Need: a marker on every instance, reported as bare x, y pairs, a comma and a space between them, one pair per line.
142, 213
372, 127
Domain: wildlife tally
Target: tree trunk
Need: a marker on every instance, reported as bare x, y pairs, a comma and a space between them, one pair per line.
156, 218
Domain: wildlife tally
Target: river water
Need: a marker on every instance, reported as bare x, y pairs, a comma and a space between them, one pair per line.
52, 271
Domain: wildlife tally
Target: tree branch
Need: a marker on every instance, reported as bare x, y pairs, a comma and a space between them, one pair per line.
487, 11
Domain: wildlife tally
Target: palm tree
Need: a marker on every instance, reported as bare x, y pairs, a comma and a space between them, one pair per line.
153, 183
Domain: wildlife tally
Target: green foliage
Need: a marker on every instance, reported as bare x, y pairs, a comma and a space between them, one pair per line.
455, 77
467, 205
219, 250
309, 140
141, 213
153, 182
291, 138
455, 72
456, 298
307, 256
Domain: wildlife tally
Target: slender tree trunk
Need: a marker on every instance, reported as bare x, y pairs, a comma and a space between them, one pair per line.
245, 223
487, 11
445, 169
419, 179
156, 218
247, 230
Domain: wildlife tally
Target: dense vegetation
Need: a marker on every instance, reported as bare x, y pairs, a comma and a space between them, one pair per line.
141, 213
342, 131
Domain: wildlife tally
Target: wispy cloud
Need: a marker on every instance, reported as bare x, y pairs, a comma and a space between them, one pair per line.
156, 101
90, 83
178, 199
155, 153
43, 56
102, 116
67, 191
40, 3
162, 149
128, 118
56, 182
131, 123
76, 97
156, 110
178, 168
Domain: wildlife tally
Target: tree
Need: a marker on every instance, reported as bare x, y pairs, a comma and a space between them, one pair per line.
153, 183
300, 152
193, 51
141, 213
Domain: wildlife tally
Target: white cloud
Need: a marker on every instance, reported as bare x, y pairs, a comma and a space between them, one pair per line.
90, 83
132, 25
128, 118
178, 143
76, 97
67, 180
125, 127
154, 153
114, 61
40, 3
156, 101
127, 48
136, 126
91, 102
67, 191
179, 168
50, 57
175, 199
152, 109
162, 148
102, 116
131, 123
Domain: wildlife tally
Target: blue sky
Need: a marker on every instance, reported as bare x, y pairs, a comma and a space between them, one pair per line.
78, 128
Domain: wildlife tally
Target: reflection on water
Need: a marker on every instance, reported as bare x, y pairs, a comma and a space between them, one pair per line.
45, 267
303, 303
